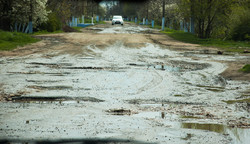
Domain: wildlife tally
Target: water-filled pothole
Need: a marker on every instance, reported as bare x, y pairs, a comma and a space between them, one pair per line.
120, 111
189, 66
247, 100
54, 99
157, 67
51, 87
210, 127
161, 101
237, 135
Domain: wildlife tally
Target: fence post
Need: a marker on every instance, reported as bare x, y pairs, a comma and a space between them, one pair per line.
27, 29
15, 26
153, 23
185, 26
181, 25
170, 24
192, 25
75, 22
30, 27
19, 28
23, 28
163, 24
97, 19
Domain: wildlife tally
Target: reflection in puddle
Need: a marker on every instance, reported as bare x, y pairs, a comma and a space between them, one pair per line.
247, 100
210, 127
238, 135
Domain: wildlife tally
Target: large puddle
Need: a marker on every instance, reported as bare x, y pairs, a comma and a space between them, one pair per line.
238, 135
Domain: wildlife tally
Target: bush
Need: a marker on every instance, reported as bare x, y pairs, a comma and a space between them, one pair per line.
242, 31
53, 23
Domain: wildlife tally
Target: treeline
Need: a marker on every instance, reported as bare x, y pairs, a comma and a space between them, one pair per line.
224, 19
48, 15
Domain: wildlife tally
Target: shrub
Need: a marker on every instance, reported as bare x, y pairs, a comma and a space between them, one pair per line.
53, 23
242, 31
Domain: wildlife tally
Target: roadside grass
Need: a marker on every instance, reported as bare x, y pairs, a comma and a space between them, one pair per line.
225, 45
46, 32
11, 40
246, 68
101, 22
78, 29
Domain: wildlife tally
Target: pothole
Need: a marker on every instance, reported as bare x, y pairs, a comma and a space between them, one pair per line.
156, 66
95, 68
51, 64
246, 100
53, 99
120, 111
189, 66
209, 127
160, 101
39, 72
51, 87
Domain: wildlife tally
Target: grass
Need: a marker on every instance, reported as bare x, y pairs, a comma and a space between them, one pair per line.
246, 68
46, 32
225, 45
101, 22
11, 40
78, 29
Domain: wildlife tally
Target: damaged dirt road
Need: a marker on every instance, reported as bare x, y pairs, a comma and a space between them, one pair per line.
127, 84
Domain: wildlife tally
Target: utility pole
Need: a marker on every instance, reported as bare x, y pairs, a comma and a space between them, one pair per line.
163, 15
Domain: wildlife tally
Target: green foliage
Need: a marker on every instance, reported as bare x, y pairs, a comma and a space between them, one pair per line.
230, 46
242, 31
246, 68
53, 23
210, 15
10, 40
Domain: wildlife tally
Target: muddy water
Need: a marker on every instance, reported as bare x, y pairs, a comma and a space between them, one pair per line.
149, 94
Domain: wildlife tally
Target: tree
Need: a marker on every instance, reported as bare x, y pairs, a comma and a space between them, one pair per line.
22, 11
208, 14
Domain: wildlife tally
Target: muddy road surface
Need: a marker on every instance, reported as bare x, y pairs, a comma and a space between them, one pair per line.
122, 84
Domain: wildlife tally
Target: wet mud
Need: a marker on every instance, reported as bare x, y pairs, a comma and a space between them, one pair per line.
105, 85
54, 99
